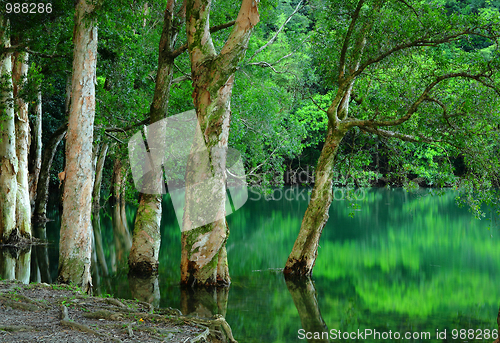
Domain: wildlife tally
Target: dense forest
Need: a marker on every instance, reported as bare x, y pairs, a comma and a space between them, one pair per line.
317, 93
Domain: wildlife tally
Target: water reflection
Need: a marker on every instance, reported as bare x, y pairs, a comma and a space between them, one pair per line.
40, 269
204, 302
15, 264
208, 303
403, 262
303, 294
145, 289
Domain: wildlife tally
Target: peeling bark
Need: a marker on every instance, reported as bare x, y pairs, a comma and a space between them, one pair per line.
8, 158
76, 229
213, 78
23, 205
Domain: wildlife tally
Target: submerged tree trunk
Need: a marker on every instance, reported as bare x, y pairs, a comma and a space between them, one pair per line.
96, 208
144, 254
121, 233
42, 190
303, 256
23, 205
76, 229
35, 160
8, 158
213, 78
42, 253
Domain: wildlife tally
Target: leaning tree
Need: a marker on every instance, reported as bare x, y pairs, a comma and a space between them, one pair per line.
397, 70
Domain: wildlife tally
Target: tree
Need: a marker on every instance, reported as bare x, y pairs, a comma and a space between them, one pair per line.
145, 249
204, 258
76, 225
23, 204
8, 158
414, 79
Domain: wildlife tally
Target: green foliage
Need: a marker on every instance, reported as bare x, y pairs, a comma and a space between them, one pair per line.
280, 96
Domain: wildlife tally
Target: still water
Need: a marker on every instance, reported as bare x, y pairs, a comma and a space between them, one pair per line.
395, 262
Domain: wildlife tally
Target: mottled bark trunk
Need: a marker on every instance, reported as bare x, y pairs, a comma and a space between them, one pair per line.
213, 78
42, 190
8, 158
35, 160
303, 294
76, 228
143, 259
303, 256
121, 233
96, 208
23, 205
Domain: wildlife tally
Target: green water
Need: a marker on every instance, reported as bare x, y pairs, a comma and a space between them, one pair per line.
405, 262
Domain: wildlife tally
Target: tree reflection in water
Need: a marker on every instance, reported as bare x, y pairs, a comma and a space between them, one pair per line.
303, 294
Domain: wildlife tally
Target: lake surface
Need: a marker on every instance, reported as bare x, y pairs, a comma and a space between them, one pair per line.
394, 262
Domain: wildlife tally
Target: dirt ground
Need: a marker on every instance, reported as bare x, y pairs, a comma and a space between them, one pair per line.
60, 313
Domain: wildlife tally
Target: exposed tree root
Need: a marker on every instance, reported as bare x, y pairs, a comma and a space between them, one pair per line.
74, 325
21, 302
15, 328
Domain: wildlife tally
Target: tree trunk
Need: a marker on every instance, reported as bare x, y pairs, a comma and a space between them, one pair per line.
8, 158
303, 256
213, 77
42, 190
120, 228
96, 208
35, 160
23, 205
143, 259
76, 229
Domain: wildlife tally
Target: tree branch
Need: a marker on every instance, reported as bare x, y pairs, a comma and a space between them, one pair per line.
115, 138
413, 9
130, 127
213, 29
445, 111
413, 108
415, 43
248, 17
398, 135
273, 38
347, 38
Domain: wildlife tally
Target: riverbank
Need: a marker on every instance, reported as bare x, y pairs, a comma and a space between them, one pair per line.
61, 313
